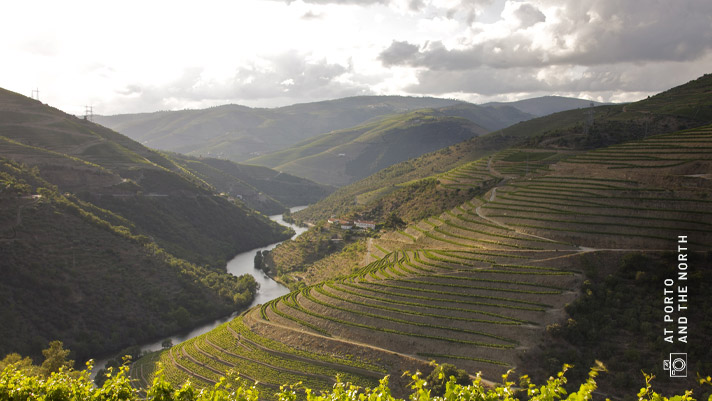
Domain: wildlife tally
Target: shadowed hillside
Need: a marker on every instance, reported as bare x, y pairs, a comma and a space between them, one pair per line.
106, 243
239, 133
545, 105
261, 188
341, 157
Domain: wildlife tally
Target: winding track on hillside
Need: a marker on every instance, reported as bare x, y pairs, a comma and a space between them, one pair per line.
359, 344
335, 366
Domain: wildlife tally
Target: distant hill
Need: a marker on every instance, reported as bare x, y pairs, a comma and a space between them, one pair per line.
261, 188
492, 118
344, 156
105, 242
682, 107
239, 133
541, 106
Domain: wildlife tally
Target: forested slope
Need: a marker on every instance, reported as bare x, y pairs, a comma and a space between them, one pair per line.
106, 243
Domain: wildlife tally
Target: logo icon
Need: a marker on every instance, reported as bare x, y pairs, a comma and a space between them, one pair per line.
676, 364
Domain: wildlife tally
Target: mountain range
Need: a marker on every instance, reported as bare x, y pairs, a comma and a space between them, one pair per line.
545, 105
332, 142
342, 157
239, 133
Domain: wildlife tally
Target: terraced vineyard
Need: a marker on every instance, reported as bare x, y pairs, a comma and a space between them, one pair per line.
233, 346
637, 195
470, 175
661, 151
477, 285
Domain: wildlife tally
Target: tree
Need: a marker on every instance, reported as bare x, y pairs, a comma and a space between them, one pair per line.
55, 358
22, 364
259, 260
394, 222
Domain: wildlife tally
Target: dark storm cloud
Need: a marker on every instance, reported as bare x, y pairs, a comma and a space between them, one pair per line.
587, 33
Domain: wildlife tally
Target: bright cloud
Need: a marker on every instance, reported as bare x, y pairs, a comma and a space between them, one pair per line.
136, 56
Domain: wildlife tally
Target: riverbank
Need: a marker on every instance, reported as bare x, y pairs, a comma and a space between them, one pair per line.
242, 263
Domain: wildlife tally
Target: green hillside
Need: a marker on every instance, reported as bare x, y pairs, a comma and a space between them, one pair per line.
342, 157
261, 188
491, 118
239, 133
545, 105
488, 284
106, 243
689, 106
76, 272
558, 256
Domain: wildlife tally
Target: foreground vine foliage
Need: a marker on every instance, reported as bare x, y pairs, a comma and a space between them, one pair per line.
17, 384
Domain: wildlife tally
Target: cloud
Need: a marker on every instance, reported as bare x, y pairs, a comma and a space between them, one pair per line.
130, 90
41, 46
399, 53
633, 31
516, 50
467, 10
318, 49
584, 33
285, 78
608, 80
356, 2
416, 5
310, 15
529, 15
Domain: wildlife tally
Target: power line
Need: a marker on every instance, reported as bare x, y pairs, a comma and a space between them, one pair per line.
36, 94
89, 113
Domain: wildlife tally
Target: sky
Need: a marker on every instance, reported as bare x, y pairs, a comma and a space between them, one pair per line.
144, 56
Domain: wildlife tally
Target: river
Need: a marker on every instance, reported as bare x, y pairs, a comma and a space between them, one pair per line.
243, 263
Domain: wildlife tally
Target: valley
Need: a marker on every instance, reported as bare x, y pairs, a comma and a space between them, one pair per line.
504, 250
375, 200
241, 264
106, 243
481, 284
